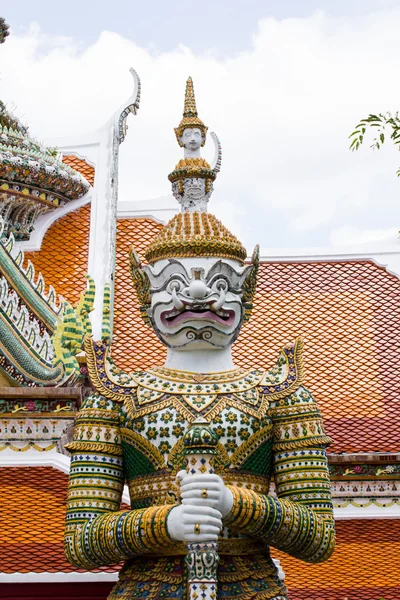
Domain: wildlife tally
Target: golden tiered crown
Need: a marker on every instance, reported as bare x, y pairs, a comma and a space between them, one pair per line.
195, 234
190, 117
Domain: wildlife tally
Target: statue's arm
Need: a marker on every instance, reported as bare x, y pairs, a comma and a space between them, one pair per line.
97, 532
300, 520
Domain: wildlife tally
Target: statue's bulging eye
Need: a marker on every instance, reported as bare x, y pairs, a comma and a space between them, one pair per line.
175, 285
220, 285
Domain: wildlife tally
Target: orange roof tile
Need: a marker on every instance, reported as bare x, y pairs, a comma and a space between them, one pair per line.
63, 257
348, 314
131, 337
81, 166
32, 515
364, 566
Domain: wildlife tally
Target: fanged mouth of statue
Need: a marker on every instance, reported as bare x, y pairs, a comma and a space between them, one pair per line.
203, 312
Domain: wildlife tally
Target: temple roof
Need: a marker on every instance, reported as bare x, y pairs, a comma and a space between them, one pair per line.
29, 314
63, 256
33, 178
30, 308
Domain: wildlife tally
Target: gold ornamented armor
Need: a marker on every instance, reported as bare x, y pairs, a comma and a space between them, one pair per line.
131, 431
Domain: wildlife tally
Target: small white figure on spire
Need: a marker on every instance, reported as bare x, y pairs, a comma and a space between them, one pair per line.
192, 177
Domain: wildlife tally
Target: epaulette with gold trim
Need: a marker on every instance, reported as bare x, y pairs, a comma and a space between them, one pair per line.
287, 375
107, 379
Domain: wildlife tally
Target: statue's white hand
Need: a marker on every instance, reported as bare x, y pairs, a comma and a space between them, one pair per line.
205, 490
188, 523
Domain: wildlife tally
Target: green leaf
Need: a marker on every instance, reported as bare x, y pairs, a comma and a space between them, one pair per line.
382, 137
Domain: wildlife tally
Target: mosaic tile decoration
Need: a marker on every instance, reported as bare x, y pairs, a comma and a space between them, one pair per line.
348, 314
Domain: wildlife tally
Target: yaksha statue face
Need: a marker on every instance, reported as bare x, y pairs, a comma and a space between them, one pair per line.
196, 303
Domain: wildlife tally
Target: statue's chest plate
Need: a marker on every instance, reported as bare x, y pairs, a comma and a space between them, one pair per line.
154, 451
195, 395
241, 424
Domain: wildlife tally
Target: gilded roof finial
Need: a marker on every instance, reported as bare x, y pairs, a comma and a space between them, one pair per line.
190, 118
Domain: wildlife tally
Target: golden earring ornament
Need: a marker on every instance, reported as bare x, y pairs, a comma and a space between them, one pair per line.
141, 283
250, 284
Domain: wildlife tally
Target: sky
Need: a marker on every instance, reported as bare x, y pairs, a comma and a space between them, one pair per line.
282, 84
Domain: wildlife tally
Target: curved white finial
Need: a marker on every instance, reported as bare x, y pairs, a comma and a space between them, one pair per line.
216, 163
130, 106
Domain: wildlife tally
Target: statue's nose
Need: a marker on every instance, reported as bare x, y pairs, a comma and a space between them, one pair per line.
198, 289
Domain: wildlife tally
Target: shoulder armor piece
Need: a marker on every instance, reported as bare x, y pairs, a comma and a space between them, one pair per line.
287, 375
105, 376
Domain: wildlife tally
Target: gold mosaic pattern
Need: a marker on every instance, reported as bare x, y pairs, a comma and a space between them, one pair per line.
195, 234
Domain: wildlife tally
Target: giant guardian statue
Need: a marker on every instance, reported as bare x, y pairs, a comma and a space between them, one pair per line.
198, 439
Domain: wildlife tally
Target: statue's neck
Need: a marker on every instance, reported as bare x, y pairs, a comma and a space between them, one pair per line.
200, 361
191, 153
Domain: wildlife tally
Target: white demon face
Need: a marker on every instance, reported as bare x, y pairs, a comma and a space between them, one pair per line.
196, 303
194, 188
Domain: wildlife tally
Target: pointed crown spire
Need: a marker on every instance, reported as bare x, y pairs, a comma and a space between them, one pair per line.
190, 117
190, 109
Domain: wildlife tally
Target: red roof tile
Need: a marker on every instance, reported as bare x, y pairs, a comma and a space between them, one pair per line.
134, 344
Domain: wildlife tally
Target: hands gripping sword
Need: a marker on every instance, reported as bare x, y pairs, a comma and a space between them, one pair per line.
200, 443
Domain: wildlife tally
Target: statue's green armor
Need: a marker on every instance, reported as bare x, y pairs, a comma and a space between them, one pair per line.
131, 431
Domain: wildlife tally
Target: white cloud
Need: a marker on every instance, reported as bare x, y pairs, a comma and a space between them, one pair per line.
349, 234
283, 112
